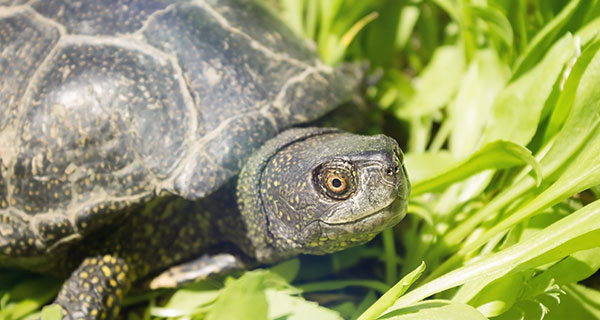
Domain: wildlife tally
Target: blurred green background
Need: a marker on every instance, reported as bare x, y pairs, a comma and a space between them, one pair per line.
497, 105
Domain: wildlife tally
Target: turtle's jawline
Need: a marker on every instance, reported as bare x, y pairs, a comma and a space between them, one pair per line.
383, 211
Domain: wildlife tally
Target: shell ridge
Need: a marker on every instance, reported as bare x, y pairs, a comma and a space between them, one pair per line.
9, 158
252, 42
61, 28
299, 78
138, 34
196, 149
186, 91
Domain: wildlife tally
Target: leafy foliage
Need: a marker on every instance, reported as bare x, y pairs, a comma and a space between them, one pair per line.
498, 104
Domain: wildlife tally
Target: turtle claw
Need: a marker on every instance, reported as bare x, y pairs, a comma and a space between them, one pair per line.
195, 270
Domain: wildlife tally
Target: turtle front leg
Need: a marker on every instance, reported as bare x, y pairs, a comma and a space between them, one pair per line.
95, 289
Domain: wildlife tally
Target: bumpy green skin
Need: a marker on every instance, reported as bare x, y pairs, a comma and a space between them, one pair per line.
124, 125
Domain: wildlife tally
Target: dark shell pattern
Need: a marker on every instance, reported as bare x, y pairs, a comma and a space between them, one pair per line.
108, 103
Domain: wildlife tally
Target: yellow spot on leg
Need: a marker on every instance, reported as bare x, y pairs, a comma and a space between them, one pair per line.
106, 271
110, 301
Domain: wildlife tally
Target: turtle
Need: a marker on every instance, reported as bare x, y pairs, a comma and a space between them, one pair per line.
156, 142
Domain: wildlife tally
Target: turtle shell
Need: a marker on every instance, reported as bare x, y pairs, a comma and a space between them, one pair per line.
109, 103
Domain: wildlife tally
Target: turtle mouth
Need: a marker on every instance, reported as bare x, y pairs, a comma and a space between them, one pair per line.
326, 237
320, 236
373, 222
393, 213
364, 218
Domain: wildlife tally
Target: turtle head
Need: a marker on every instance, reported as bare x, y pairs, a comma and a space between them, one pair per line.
318, 191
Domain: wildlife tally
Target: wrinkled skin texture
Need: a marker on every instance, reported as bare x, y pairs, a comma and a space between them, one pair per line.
124, 126
288, 183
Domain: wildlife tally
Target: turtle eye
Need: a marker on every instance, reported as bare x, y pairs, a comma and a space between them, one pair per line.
336, 183
335, 179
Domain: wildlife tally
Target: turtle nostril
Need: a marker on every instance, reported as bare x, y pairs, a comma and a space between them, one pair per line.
392, 170
389, 171
393, 166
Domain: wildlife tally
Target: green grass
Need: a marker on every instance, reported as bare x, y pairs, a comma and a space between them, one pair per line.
498, 103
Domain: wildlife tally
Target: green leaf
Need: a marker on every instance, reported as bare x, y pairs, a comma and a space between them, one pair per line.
53, 312
243, 298
408, 20
516, 111
367, 301
437, 83
390, 259
187, 301
337, 46
391, 295
340, 284
589, 31
435, 310
349, 35
537, 307
582, 173
580, 123
8, 278
494, 298
578, 231
497, 22
579, 302
29, 295
583, 116
344, 309
575, 73
423, 166
543, 39
285, 306
572, 269
292, 11
498, 155
577, 267
327, 39
312, 14
468, 115
450, 6
469, 112
288, 269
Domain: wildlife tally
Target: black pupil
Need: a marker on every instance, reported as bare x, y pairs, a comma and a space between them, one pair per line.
336, 183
